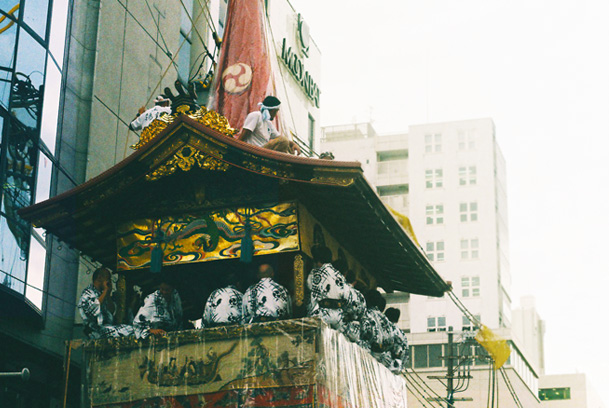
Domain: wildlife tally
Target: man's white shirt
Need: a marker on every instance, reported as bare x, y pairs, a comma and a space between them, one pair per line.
262, 130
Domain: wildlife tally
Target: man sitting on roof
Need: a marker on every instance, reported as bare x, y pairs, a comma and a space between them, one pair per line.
266, 300
161, 312
145, 118
95, 308
329, 291
224, 305
258, 128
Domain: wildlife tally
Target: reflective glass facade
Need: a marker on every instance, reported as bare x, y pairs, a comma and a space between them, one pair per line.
32, 38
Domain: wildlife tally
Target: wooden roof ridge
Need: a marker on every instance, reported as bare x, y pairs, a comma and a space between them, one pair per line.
150, 147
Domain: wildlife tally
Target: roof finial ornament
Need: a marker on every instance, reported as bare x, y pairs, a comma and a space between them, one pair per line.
185, 101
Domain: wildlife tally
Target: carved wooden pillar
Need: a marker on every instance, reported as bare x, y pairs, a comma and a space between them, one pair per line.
298, 280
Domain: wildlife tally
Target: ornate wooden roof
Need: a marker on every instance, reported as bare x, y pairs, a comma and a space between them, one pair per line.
187, 165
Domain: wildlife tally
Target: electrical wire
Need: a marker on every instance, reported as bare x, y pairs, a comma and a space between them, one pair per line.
510, 387
428, 388
165, 51
158, 28
418, 392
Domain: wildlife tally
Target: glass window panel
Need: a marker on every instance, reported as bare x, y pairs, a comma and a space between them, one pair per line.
185, 24
464, 244
472, 170
43, 180
427, 138
474, 217
465, 292
474, 253
35, 15
464, 254
435, 352
476, 281
440, 220
57, 38
7, 38
473, 206
431, 322
464, 217
475, 292
438, 173
430, 256
440, 256
14, 245
429, 220
184, 61
441, 321
465, 320
474, 243
430, 246
428, 209
50, 107
5, 88
463, 207
440, 245
420, 356
427, 148
35, 273
439, 208
465, 281
31, 58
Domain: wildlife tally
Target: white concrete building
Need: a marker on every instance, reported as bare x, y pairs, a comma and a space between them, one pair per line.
449, 178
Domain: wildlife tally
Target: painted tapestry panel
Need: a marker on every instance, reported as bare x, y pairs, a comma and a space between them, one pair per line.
207, 364
207, 236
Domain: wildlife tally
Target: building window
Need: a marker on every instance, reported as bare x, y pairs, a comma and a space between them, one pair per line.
31, 61
468, 211
427, 356
436, 324
433, 143
468, 325
467, 175
555, 394
470, 286
312, 132
434, 214
467, 140
469, 249
435, 250
433, 178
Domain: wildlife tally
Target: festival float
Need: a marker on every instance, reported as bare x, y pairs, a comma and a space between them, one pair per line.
197, 203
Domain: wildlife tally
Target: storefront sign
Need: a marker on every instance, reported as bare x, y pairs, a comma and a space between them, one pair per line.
300, 74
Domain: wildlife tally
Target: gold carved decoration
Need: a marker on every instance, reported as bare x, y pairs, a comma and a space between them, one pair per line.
185, 159
211, 119
334, 180
258, 167
298, 280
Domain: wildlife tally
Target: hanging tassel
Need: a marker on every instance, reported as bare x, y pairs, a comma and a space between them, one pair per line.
247, 245
156, 255
156, 259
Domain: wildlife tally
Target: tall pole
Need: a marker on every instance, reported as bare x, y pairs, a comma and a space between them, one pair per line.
450, 372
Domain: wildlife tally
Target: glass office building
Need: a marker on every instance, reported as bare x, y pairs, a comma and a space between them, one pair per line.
32, 39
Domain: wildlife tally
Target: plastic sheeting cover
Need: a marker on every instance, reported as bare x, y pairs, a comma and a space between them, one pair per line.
290, 363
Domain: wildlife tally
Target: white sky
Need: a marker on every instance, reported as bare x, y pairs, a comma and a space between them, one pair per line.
540, 70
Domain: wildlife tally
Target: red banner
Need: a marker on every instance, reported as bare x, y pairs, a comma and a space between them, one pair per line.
243, 77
